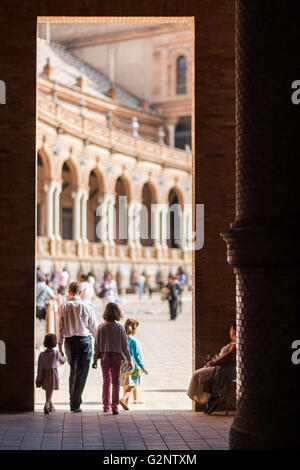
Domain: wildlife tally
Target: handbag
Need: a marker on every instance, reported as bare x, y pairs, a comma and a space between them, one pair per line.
164, 294
102, 293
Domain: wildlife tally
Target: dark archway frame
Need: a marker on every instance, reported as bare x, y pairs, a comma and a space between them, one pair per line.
213, 175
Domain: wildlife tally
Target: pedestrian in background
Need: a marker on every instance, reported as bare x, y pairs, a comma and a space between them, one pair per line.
141, 285
173, 290
108, 289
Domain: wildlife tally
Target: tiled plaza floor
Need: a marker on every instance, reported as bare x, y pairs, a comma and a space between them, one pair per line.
167, 354
165, 421
133, 430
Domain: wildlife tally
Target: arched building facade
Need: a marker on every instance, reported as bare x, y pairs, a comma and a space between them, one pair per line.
105, 192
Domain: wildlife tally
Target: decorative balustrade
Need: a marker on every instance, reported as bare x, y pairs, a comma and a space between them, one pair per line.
96, 131
72, 250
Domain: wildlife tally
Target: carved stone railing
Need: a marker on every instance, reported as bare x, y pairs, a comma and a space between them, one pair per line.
72, 250
94, 130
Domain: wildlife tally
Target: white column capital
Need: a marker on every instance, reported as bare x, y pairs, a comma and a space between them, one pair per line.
49, 187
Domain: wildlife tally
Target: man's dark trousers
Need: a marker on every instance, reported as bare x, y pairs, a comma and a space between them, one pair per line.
173, 308
79, 354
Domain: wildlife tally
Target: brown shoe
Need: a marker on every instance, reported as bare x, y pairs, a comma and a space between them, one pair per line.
47, 409
123, 404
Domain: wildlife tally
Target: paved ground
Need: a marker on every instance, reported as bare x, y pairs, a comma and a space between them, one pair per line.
134, 430
167, 351
165, 421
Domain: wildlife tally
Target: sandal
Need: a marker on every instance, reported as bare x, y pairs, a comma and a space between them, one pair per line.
124, 406
214, 405
47, 409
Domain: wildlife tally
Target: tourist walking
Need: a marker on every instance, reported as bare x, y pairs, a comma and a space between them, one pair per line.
91, 279
141, 283
87, 289
149, 283
131, 377
47, 374
108, 289
76, 323
63, 278
43, 292
182, 279
173, 290
111, 347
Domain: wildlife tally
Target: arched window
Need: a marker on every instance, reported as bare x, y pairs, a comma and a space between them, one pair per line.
181, 67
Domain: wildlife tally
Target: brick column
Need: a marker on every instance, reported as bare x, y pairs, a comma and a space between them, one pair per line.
263, 244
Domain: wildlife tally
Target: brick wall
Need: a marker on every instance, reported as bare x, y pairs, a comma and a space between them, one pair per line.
214, 175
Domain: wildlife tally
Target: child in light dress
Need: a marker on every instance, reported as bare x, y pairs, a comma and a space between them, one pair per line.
131, 378
47, 374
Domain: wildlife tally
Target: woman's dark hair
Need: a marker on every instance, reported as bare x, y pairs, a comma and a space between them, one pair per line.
112, 312
131, 326
50, 341
234, 325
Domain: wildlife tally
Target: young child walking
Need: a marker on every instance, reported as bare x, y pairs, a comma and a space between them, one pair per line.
47, 374
136, 400
111, 347
130, 378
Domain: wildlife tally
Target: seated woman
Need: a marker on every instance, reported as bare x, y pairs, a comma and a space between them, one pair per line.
218, 374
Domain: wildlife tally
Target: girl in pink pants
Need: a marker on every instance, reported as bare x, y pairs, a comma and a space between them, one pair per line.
111, 347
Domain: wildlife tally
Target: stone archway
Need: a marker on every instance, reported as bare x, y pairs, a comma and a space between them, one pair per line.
213, 309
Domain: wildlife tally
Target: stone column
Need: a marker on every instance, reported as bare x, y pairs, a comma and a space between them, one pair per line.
263, 243
171, 131
57, 211
164, 225
49, 189
184, 230
84, 200
102, 226
137, 224
132, 223
155, 225
77, 215
111, 221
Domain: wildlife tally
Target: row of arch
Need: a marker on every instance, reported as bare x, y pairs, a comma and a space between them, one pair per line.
96, 188
55, 173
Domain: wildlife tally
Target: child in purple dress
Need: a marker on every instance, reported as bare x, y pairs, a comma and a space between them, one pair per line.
47, 375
